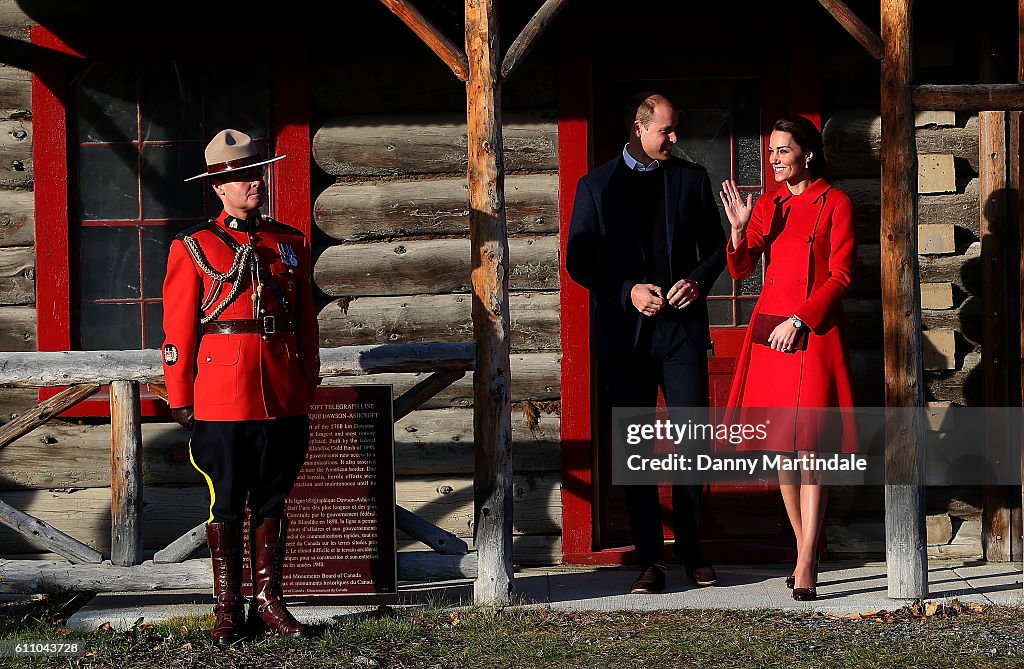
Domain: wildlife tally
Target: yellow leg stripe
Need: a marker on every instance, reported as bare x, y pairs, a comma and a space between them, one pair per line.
209, 481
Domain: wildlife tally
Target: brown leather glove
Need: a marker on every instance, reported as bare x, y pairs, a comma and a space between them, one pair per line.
184, 416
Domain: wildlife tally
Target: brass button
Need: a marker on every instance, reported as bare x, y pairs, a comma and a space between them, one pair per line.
209, 359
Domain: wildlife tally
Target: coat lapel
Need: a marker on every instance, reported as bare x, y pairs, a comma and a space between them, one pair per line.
672, 187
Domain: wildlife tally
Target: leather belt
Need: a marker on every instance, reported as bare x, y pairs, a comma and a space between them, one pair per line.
267, 325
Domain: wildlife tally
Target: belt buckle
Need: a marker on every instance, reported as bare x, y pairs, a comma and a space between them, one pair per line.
269, 325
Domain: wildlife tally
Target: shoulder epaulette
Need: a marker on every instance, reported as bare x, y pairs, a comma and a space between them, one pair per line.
191, 230
267, 219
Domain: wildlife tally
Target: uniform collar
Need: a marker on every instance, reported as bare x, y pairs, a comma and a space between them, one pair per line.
242, 225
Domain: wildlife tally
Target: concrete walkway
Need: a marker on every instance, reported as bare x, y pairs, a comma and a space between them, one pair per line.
844, 589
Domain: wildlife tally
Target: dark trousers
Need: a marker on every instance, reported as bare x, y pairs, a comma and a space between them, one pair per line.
258, 460
664, 358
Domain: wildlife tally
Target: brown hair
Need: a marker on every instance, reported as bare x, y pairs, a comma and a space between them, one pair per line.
807, 136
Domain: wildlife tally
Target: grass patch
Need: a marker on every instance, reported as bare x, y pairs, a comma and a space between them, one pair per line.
439, 638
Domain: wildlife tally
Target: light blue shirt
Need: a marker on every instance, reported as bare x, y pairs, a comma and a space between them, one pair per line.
633, 164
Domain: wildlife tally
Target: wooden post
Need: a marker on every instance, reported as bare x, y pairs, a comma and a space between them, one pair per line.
1017, 177
492, 408
125, 474
905, 542
999, 502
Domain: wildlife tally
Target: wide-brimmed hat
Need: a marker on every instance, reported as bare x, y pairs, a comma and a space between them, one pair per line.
230, 151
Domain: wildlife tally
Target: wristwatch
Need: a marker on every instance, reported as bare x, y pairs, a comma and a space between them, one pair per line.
797, 323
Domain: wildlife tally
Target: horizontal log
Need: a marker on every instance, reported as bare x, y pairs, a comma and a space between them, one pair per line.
960, 209
16, 401
366, 83
528, 550
432, 266
45, 576
427, 442
440, 441
962, 386
42, 576
535, 376
442, 318
61, 368
15, 90
17, 328
170, 512
16, 153
962, 270
864, 320
17, 275
42, 535
970, 97
17, 216
63, 455
385, 210
448, 502
853, 141
390, 146
84, 513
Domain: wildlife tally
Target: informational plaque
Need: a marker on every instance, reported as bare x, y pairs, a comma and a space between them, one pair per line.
342, 509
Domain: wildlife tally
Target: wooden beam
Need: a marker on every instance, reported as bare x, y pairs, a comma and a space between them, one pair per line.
999, 501
43, 412
125, 474
179, 549
61, 368
905, 541
969, 97
47, 537
414, 398
431, 36
492, 423
853, 24
534, 29
424, 531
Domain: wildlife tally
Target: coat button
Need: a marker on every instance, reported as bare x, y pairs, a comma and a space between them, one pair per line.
209, 359
291, 271
771, 281
809, 239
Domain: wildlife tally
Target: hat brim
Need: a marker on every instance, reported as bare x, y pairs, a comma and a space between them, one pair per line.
235, 169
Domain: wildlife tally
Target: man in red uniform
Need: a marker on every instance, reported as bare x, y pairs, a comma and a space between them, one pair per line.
241, 365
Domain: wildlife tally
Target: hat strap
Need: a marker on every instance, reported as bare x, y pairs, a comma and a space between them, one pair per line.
232, 164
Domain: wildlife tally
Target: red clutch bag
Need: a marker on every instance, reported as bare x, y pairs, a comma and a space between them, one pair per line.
763, 326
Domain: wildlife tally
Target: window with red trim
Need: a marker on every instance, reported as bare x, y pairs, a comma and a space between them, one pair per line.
118, 126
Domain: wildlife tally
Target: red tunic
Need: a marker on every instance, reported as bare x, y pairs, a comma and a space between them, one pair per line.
809, 245
241, 376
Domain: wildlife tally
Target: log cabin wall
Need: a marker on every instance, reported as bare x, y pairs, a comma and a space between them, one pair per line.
391, 230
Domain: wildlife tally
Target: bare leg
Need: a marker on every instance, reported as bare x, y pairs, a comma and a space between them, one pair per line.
813, 497
789, 486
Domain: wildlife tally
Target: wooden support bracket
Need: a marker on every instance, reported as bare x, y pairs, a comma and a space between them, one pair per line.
853, 24
44, 411
431, 36
531, 32
424, 531
414, 398
182, 547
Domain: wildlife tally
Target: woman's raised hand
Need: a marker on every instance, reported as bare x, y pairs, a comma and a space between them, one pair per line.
736, 209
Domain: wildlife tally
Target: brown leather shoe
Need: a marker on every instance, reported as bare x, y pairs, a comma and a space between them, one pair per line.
704, 575
267, 609
225, 540
651, 581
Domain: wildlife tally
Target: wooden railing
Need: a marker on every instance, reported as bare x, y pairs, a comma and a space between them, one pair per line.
85, 372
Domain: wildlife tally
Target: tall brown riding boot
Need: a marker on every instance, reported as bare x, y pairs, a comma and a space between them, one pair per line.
267, 609
225, 541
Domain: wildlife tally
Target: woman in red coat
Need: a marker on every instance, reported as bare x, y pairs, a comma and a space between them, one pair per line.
805, 232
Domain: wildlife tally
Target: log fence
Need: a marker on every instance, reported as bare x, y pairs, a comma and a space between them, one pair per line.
85, 372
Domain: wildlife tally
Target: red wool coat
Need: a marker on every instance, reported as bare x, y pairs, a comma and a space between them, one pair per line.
247, 376
809, 246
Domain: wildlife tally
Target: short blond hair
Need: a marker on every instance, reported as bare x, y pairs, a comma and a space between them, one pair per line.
641, 108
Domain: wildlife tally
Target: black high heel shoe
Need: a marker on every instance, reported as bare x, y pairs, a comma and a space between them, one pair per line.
791, 581
806, 594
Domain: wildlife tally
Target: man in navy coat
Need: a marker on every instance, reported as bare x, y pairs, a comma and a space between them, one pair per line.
646, 240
